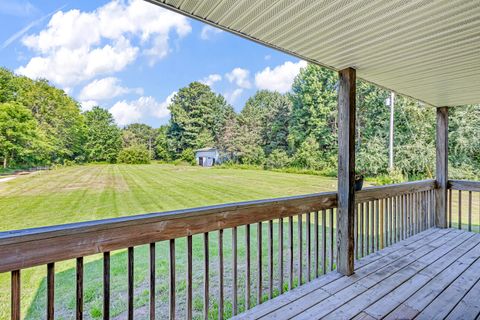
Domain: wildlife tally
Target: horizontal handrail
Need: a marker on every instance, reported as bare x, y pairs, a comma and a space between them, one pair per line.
21, 249
392, 190
465, 185
31, 247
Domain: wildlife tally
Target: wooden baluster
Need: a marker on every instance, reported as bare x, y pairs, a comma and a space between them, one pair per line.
290, 245
247, 267
469, 210
206, 276
106, 285
399, 218
259, 263
315, 230
426, 209
130, 283
361, 230
270, 259
50, 291
395, 212
411, 215
324, 241
415, 213
459, 209
300, 251
280, 255
381, 223
220, 274
421, 210
152, 280
355, 227
79, 287
450, 201
235, 271
189, 277
418, 211
404, 216
367, 227
308, 244
372, 226
407, 215
377, 225
390, 220
15, 294
432, 204
332, 243
172, 280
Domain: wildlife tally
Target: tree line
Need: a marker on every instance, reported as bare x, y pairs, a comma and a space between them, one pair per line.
40, 124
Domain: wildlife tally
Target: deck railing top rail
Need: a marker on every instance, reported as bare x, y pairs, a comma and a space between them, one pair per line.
465, 185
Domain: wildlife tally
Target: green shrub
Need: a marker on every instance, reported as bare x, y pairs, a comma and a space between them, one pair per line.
394, 176
136, 154
253, 155
188, 155
308, 156
277, 159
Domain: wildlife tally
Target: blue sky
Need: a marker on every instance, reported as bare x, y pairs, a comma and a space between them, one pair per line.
131, 56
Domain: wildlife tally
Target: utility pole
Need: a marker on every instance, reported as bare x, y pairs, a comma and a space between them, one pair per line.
392, 112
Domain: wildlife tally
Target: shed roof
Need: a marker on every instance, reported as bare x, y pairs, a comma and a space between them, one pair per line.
206, 149
428, 50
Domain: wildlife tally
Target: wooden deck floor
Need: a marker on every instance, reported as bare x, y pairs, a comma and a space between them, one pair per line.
432, 275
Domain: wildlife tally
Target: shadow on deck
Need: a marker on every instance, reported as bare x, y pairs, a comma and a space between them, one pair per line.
432, 275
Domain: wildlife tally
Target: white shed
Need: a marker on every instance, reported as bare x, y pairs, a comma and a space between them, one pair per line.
207, 157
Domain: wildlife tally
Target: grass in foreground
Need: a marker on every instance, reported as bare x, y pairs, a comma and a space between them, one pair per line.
103, 191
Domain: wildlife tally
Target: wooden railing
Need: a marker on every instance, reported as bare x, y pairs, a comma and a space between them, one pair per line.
464, 205
388, 214
300, 246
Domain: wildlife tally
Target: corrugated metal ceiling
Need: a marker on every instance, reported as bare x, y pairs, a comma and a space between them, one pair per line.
429, 49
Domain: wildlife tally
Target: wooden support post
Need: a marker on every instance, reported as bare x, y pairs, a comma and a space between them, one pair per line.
346, 171
441, 168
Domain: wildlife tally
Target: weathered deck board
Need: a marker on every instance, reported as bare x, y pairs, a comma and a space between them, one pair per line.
283, 300
434, 274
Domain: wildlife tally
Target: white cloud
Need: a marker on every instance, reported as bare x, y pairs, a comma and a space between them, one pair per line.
240, 77
77, 46
105, 88
279, 78
211, 79
88, 105
208, 32
232, 96
127, 112
70, 67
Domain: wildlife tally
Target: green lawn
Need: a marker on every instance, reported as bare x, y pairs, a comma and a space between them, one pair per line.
104, 191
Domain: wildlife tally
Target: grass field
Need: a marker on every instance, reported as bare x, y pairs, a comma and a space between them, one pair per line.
92, 192
103, 191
